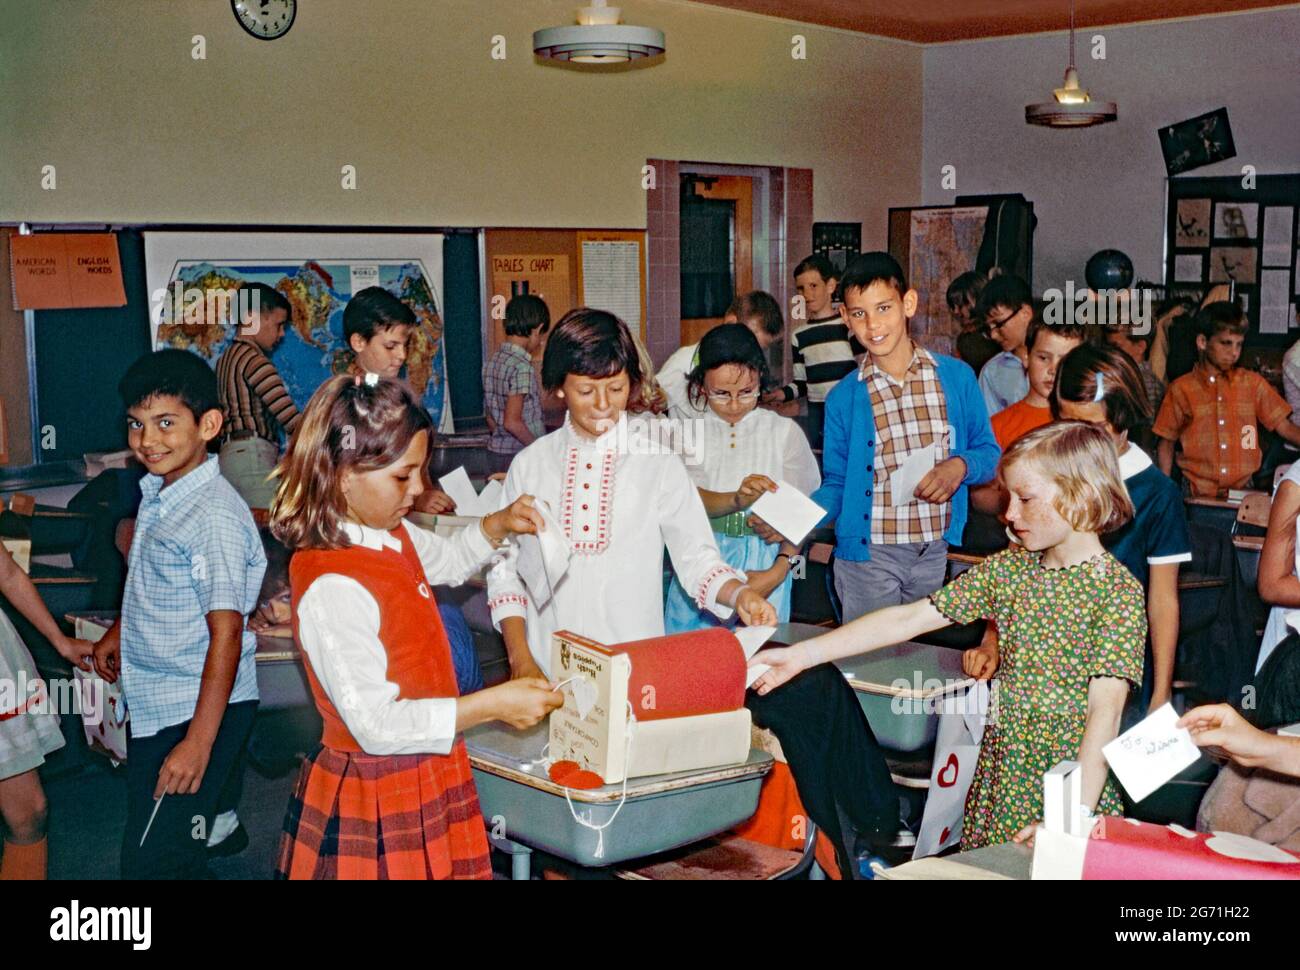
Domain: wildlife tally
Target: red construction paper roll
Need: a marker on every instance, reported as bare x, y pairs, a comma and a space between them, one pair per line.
701, 672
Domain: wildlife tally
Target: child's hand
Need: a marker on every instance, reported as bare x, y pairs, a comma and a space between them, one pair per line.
182, 771
754, 610
752, 489
980, 662
941, 481
80, 653
1026, 835
436, 502
520, 517
786, 663
277, 612
1224, 731
522, 703
108, 657
763, 530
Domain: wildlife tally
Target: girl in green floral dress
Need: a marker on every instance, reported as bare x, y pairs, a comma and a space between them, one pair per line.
1072, 624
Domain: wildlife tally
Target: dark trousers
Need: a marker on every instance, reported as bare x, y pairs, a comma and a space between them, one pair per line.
841, 775
177, 844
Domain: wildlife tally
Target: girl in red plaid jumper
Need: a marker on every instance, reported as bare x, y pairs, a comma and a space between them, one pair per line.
390, 794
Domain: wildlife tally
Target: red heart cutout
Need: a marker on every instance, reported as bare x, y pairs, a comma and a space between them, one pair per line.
943, 836
571, 775
948, 773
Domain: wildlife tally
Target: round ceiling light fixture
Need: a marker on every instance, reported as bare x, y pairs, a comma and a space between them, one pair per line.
1072, 106
599, 37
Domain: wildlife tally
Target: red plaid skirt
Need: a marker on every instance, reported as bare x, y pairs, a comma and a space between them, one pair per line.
360, 816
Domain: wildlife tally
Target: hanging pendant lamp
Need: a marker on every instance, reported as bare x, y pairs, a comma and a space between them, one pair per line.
599, 37
1072, 107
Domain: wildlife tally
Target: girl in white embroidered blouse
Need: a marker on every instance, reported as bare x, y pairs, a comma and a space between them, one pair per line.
740, 452
621, 496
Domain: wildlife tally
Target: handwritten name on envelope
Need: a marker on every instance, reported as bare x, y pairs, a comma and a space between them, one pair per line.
1150, 753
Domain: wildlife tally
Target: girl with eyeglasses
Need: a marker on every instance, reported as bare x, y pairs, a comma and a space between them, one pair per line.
740, 451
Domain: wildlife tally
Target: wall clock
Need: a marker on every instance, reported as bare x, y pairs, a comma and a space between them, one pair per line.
265, 19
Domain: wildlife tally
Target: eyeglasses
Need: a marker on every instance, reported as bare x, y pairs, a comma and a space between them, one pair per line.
999, 324
726, 397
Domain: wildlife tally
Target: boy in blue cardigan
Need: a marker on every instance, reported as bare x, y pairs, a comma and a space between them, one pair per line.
893, 549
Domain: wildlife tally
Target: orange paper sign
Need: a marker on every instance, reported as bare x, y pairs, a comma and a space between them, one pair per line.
61, 270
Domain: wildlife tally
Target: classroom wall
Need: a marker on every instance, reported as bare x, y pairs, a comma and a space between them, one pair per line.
1104, 187
440, 133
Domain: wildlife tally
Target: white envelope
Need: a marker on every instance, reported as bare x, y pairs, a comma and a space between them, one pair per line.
1151, 752
905, 478
789, 511
543, 558
461, 489
489, 500
751, 640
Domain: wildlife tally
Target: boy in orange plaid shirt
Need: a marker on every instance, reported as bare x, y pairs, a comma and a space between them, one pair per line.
1215, 411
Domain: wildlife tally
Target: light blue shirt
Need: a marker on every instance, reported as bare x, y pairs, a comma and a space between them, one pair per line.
1003, 382
196, 549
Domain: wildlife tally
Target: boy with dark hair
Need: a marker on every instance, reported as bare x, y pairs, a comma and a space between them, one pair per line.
1005, 309
890, 548
512, 400
758, 311
256, 408
377, 327
974, 346
1215, 411
182, 649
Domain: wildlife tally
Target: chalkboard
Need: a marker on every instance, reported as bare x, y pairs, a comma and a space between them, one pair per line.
463, 326
80, 357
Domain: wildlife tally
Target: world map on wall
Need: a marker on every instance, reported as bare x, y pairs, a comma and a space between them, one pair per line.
313, 348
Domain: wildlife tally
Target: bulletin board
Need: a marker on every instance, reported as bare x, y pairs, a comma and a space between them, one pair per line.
550, 263
1219, 231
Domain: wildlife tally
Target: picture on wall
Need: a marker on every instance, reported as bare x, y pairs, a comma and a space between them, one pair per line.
1229, 264
1199, 141
1236, 220
837, 241
194, 276
1193, 222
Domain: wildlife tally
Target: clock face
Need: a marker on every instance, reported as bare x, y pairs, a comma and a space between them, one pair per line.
265, 19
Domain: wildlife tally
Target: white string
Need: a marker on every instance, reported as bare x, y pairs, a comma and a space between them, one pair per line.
627, 767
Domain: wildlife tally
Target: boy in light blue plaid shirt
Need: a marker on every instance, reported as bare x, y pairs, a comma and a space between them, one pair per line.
182, 649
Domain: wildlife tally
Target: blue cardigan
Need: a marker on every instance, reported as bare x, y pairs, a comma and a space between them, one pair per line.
849, 449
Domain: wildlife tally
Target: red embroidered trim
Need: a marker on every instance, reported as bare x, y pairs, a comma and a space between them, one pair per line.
701, 594
508, 598
604, 503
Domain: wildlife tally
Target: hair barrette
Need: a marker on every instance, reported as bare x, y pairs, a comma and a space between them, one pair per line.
372, 379
1101, 388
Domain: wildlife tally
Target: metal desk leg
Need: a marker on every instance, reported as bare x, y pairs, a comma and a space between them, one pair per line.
521, 857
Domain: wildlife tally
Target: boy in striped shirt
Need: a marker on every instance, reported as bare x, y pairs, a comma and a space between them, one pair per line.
823, 349
256, 408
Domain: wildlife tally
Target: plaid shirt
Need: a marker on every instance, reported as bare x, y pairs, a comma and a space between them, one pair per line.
1216, 419
195, 550
909, 415
510, 371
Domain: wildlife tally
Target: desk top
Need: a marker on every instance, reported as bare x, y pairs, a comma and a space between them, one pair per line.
1005, 861
503, 752
909, 669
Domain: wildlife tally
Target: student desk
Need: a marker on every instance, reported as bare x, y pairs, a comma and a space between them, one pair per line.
524, 810
1005, 861
281, 679
901, 688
